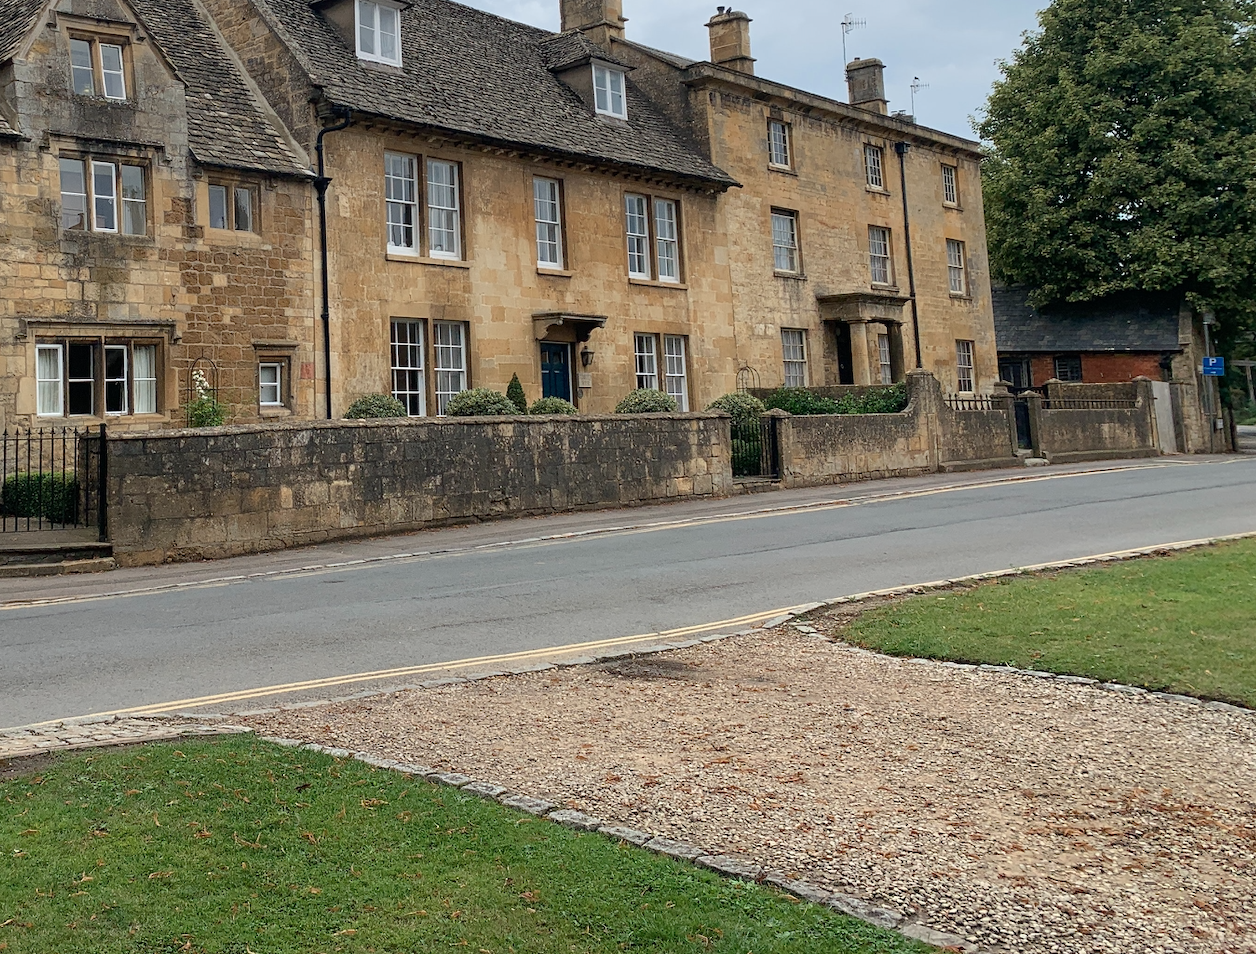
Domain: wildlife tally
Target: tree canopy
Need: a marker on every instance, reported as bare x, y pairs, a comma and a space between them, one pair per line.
1123, 154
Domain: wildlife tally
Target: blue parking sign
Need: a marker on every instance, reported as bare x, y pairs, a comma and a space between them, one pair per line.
1214, 367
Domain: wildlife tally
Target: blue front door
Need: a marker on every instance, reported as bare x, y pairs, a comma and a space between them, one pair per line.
556, 371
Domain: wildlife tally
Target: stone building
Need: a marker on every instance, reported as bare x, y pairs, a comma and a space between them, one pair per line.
152, 214
856, 244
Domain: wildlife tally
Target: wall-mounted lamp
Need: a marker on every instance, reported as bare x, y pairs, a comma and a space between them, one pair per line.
586, 357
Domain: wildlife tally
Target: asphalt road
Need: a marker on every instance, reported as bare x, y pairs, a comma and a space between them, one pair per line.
152, 637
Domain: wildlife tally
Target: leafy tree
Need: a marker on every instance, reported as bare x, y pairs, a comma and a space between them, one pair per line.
1124, 154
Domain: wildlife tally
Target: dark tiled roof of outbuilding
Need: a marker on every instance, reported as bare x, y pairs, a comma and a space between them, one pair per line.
1136, 323
472, 73
17, 17
227, 126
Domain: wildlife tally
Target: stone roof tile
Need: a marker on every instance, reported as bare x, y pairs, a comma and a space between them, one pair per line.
17, 17
1135, 323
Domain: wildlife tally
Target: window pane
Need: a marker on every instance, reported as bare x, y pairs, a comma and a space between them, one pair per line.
111, 71
104, 192
217, 207
81, 69
49, 398
638, 227
134, 208
647, 362
887, 366
407, 366
115, 380
270, 381
950, 193
677, 384
548, 223
794, 349
617, 93
366, 27
872, 165
243, 210
964, 365
451, 366
601, 89
73, 194
955, 266
778, 144
388, 34
785, 242
145, 379
668, 240
400, 190
879, 255
81, 378
442, 202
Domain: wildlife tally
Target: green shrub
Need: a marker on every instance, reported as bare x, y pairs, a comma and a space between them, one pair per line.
647, 401
53, 497
206, 412
480, 402
746, 409
374, 406
1246, 415
514, 391
800, 401
882, 400
553, 405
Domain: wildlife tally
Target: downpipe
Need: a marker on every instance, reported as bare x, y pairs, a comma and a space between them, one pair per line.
321, 183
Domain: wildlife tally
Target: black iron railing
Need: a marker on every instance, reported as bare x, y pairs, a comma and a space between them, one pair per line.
976, 403
756, 448
52, 479
1086, 404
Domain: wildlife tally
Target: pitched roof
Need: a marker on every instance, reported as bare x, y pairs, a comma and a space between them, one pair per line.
1136, 322
227, 125
487, 78
572, 48
16, 19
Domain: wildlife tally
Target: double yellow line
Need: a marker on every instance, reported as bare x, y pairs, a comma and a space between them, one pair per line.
502, 660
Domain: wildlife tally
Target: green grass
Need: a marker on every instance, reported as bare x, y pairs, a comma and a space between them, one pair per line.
1184, 623
234, 846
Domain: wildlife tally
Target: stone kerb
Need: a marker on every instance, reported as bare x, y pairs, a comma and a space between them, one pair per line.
196, 494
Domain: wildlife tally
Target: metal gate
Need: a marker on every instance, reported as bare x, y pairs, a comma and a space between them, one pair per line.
756, 448
53, 479
1024, 438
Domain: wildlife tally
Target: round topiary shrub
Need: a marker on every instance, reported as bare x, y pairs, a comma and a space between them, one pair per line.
553, 405
375, 406
647, 401
745, 408
480, 402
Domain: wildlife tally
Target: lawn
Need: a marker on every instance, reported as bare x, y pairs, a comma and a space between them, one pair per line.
236, 846
1184, 623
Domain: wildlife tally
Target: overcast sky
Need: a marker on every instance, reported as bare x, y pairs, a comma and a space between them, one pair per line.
952, 45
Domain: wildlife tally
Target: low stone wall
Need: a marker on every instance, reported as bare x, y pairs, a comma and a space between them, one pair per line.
1074, 424
186, 495
977, 439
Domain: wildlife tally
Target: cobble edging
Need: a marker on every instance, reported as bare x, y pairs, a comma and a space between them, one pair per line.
725, 865
74, 734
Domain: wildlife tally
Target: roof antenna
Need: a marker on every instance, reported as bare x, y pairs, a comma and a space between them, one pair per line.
848, 25
916, 87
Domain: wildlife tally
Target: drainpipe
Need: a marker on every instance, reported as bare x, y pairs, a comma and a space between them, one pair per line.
320, 184
902, 148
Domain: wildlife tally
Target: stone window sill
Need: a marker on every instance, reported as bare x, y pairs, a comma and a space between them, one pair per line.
650, 283
963, 298
875, 191
795, 276
420, 260
783, 170
878, 287
952, 206
269, 413
554, 272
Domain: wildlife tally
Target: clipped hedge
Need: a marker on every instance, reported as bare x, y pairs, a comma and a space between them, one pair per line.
52, 497
647, 401
891, 399
480, 402
374, 406
745, 409
553, 405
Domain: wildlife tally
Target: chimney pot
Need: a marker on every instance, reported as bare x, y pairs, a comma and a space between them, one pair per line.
730, 40
866, 81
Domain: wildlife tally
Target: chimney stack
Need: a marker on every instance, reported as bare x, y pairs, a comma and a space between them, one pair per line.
730, 40
866, 81
603, 19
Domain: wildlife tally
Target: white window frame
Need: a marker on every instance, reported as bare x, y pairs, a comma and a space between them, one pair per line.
445, 219
667, 240
93, 200
144, 387
646, 358
83, 197
109, 82
780, 155
275, 387
956, 267
887, 362
874, 166
881, 255
407, 359
637, 228
231, 191
965, 367
785, 253
449, 347
41, 409
950, 184
398, 203
130, 204
125, 380
118, 74
794, 356
77, 69
547, 205
675, 369
610, 91
367, 20
110, 200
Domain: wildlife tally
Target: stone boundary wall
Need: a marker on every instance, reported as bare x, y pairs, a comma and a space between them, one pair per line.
1072, 434
190, 495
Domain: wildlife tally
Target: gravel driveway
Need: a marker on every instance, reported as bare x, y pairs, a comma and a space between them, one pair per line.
1027, 815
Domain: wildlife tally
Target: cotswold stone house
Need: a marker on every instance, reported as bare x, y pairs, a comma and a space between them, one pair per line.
152, 213
490, 199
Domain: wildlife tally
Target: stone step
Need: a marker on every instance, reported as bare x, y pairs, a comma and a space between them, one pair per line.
103, 564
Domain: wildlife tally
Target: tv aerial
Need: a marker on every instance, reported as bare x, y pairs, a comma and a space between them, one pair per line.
849, 25
916, 87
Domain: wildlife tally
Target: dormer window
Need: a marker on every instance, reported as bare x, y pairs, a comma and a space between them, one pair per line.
97, 69
608, 91
379, 32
